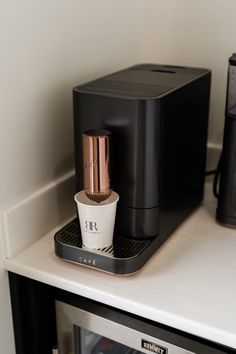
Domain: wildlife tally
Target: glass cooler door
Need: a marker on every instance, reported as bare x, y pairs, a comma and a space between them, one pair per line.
82, 332
86, 342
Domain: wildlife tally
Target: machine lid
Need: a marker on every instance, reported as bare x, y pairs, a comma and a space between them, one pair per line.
143, 81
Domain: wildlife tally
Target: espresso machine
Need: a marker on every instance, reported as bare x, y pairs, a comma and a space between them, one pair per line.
158, 118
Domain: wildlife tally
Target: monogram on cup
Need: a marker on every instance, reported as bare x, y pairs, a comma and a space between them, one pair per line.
91, 225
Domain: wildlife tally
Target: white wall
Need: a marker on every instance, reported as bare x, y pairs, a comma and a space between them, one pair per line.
46, 48
197, 33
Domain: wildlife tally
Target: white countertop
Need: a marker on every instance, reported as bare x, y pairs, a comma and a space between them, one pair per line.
189, 284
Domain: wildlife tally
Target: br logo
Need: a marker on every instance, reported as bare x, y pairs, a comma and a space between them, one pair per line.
91, 226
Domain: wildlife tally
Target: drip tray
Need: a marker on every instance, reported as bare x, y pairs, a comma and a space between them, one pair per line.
125, 256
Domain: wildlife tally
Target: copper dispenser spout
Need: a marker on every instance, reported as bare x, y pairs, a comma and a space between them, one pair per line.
96, 159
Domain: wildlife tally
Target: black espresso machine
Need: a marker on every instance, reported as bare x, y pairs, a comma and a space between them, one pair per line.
158, 116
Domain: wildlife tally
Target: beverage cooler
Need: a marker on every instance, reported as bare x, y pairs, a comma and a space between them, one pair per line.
94, 328
50, 320
83, 332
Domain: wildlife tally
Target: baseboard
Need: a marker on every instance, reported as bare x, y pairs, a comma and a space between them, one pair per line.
33, 217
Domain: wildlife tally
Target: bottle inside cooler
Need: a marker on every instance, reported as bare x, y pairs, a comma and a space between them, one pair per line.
107, 346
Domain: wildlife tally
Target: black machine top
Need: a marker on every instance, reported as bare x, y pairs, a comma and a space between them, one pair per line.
143, 81
231, 88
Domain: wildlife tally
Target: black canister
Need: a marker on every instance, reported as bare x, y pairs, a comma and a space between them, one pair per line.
226, 210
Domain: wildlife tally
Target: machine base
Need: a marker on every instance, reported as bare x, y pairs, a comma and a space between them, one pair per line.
125, 256
226, 220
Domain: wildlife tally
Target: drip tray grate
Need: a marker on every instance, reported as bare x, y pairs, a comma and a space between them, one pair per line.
123, 257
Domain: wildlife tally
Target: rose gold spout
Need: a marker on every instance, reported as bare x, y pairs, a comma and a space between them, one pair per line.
96, 159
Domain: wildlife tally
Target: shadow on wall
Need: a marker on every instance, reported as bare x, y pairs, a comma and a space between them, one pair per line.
59, 136
61, 151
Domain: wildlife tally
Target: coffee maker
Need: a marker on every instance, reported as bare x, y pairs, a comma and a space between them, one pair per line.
158, 117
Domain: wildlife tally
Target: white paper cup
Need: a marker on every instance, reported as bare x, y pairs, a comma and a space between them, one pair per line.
97, 220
